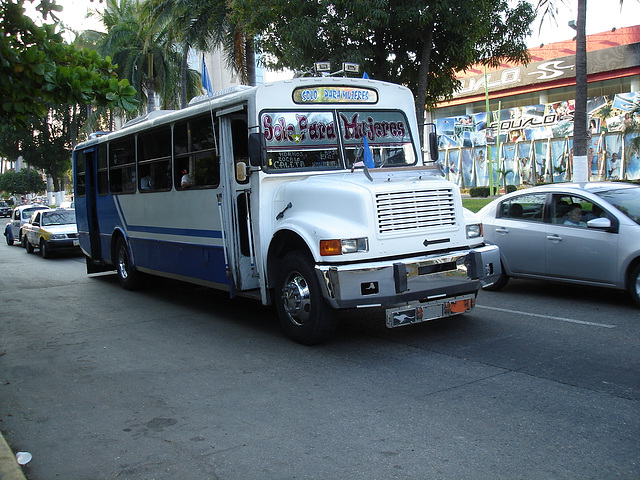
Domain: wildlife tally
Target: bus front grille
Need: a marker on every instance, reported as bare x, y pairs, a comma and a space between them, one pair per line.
415, 209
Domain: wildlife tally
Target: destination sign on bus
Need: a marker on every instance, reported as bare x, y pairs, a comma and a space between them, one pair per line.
333, 94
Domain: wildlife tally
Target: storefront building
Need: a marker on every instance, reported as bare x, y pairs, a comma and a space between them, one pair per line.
530, 126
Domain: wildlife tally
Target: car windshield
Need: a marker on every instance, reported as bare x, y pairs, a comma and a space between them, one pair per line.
26, 213
627, 200
62, 217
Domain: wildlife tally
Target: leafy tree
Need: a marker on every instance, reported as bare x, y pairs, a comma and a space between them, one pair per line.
47, 142
416, 43
37, 67
22, 182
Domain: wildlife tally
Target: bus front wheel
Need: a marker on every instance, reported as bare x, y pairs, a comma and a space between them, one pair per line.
128, 277
305, 316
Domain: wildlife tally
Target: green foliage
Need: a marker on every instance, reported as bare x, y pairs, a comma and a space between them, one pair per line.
37, 67
22, 182
479, 191
390, 39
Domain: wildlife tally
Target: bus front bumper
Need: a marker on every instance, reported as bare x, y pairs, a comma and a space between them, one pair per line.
425, 280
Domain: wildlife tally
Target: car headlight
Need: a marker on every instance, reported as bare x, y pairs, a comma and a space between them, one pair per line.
474, 230
342, 246
58, 236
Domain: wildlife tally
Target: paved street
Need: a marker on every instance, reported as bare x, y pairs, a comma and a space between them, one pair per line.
176, 381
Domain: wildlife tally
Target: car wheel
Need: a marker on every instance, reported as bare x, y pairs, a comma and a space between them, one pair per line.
305, 316
27, 244
8, 239
44, 250
128, 277
634, 284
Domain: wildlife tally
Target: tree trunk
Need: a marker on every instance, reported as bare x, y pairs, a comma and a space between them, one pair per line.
251, 61
580, 127
183, 78
423, 71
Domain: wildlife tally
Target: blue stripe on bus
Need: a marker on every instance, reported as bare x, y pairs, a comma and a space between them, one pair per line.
187, 232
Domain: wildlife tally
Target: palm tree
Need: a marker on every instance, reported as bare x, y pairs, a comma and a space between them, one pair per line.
144, 53
191, 23
203, 26
580, 128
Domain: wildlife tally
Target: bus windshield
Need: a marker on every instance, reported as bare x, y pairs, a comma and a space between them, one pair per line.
333, 140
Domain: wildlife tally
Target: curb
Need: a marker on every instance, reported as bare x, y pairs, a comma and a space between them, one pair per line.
9, 468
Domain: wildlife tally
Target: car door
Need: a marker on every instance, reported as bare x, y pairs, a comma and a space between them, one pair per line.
577, 251
520, 233
31, 228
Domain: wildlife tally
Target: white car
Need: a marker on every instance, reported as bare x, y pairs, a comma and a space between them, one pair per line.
51, 230
19, 216
587, 234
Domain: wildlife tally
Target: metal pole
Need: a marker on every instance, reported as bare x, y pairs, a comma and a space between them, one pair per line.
486, 100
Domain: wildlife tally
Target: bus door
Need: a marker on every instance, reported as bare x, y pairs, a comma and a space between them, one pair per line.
91, 192
235, 203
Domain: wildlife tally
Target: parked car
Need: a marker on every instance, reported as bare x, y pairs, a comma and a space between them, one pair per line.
19, 216
586, 234
5, 209
51, 230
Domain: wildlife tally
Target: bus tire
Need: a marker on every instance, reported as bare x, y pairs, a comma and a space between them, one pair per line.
128, 277
304, 315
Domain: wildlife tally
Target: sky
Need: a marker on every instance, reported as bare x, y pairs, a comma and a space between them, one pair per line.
602, 15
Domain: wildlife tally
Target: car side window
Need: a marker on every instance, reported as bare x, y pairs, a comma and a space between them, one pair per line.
574, 211
524, 207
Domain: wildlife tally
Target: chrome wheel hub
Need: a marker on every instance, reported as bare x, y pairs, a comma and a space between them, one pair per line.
296, 299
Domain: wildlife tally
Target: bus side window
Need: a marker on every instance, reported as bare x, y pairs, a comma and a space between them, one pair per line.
81, 180
122, 166
197, 158
154, 160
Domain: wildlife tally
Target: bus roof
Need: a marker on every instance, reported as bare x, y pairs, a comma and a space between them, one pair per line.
396, 97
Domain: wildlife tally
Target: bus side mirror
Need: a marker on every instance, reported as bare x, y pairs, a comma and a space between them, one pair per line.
433, 146
255, 150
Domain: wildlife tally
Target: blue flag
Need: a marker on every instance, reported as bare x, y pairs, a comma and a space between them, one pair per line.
206, 81
368, 159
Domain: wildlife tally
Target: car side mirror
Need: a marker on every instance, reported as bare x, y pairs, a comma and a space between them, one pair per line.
599, 223
255, 150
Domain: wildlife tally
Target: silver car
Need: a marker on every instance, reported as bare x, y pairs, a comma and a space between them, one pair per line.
586, 233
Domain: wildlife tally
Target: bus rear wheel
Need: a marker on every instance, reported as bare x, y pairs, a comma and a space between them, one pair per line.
128, 277
304, 315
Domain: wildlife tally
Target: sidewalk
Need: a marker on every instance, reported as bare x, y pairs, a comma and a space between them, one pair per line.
9, 468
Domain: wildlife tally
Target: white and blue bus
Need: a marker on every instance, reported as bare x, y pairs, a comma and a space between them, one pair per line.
310, 194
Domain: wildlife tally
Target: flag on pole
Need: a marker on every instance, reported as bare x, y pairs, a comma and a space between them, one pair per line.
206, 80
368, 158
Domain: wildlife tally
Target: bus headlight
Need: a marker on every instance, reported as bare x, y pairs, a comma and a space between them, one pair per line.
474, 230
342, 246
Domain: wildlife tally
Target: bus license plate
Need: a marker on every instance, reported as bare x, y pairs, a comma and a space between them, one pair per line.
410, 314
